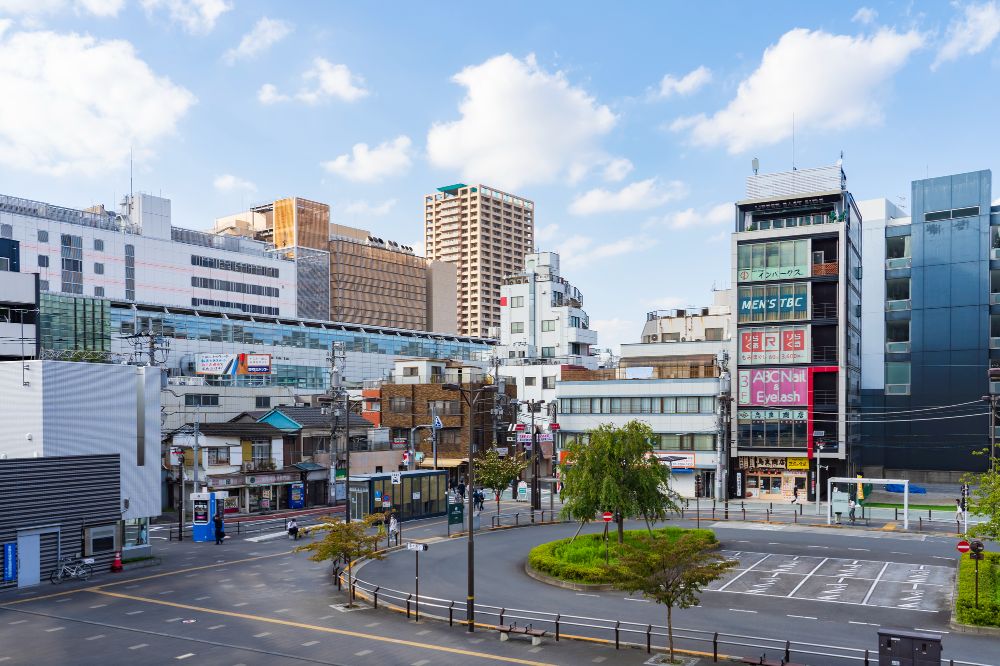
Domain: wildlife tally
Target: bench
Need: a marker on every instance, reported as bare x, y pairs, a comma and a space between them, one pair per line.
763, 661
506, 630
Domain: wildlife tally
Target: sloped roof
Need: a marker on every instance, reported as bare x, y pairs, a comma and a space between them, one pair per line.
313, 417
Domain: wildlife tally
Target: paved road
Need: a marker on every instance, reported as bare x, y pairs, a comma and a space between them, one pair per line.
803, 584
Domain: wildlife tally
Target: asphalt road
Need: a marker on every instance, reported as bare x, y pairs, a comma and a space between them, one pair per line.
815, 585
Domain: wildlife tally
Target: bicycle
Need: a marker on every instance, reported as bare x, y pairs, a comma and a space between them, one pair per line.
69, 569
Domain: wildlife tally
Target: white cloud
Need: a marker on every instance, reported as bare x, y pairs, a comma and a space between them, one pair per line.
971, 33
229, 183
365, 209
796, 76
35, 8
584, 252
545, 234
616, 170
81, 103
265, 33
687, 84
368, 165
996, 202
520, 124
197, 17
640, 195
694, 217
865, 16
323, 81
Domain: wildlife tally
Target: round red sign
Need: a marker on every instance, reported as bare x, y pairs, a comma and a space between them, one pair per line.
607, 518
962, 547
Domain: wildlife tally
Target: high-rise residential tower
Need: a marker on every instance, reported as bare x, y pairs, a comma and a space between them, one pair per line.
486, 234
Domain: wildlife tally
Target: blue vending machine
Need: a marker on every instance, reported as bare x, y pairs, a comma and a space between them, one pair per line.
204, 507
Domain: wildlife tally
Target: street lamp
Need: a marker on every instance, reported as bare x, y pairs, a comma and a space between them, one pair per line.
471, 397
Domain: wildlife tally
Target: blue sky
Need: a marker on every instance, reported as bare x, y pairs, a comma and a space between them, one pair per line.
632, 126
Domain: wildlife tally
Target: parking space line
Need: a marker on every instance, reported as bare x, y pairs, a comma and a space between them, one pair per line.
328, 630
874, 583
722, 589
94, 638
807, 577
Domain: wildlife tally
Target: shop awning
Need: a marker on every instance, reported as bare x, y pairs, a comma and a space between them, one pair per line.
443, 463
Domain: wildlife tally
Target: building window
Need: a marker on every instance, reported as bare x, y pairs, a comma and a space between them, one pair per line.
529, 381
99, 245
201, 400
72, 264
261, 452
517, 327
99, 269
43, 236
6, 231
897, 378
549, 382
777, 302
102, 539
548, 325
548, 352
43, 261
99, 292
218, 456
410, 372
43, 285
444, 407
713, 334
130, 272
262, 402
517, 301
400, 405
772, 261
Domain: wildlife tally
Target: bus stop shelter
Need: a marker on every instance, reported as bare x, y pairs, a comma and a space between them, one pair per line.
875, 482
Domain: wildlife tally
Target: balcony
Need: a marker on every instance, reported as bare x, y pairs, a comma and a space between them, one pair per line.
902, 347
828, 268
898, 262
897, 305
825, 397
824, 310
824, 354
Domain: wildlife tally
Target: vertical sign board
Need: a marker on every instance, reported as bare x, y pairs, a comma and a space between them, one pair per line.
785, 344
9, 561
773, 387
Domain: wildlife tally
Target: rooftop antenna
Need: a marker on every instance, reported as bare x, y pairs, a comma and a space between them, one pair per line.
755, 165
793, 141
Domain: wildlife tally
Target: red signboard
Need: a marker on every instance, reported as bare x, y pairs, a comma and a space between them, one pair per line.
963, 547
607, 516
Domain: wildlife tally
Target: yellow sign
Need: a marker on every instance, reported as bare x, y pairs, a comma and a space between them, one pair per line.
797, 463
861, 490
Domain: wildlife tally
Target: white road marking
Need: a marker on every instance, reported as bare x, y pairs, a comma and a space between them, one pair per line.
733, 580
54, 629
94, 638
282, 610
938, 557
862, 550
203, 598
309, 643
184, 656
803, 617
135, 612
808, 576
874, 583
362, 653
242, 603
370, 624
582, 594
174, 619
936, 631
17, 622
218, 626
867, 624
98, 606
262, 634
139, 646
827, 547
645, 601
742, 610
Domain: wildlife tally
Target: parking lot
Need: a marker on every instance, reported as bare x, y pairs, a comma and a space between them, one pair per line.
920, 587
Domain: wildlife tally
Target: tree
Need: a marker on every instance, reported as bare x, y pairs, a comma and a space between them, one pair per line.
669, 571
345, 542
617, 471
984, 502
496, 472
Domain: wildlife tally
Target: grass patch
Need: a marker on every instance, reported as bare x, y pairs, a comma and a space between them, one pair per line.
582, 560
913, 507
988, 613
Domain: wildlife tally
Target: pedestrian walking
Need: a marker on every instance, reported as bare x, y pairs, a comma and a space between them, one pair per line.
795, 495
851, 506
220, 529
293, 529
959, 510
480, 499
461, 490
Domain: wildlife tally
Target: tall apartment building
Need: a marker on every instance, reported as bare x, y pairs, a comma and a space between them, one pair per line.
931, 317
543, 329
797, 380
486, 234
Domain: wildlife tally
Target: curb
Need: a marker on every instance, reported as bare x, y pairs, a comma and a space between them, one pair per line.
556, 582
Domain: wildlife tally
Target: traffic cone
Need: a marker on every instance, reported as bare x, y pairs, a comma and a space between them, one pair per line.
116, 566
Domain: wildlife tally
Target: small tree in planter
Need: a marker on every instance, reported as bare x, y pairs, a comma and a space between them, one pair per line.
345, 542
670, 572
496, 472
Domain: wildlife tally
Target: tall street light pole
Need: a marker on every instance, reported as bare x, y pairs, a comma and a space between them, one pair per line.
471, 397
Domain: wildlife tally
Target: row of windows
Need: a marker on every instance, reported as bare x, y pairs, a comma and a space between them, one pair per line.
547, 382
43, 237
675, 405
201, 400
237, 287
665, 441
244, 307
773, 434
236, 266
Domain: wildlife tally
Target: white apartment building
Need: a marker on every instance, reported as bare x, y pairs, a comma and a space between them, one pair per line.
486, 234
543, 329
137, 256
18, 315
708, 323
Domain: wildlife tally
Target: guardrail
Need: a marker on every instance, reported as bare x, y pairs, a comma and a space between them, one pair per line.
621, 633
517, 518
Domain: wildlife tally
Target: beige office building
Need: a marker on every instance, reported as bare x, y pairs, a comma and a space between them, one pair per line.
485, 233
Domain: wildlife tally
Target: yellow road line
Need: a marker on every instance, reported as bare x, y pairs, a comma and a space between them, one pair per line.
889, 527
329, 630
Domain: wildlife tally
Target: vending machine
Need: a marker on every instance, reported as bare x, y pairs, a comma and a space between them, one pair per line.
204, 508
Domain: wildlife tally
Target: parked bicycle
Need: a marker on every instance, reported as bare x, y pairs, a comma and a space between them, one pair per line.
69, 568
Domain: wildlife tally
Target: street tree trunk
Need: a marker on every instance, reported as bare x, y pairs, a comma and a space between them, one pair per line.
670, 631
621, 528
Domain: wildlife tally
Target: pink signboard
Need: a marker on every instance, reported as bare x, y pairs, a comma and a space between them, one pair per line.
763, 346
770, 387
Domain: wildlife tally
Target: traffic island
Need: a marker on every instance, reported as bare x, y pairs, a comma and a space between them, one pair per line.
982, 615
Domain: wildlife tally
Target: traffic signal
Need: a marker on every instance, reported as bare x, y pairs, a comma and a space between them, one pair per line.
698, 485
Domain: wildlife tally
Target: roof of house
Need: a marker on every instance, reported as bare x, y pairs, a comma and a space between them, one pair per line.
249, 428
313, 417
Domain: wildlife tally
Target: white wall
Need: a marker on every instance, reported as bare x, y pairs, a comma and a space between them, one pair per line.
83, 409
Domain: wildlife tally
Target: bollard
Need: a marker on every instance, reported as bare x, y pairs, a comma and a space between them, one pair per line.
920, 523
866, 658
618, 624
715, 647
558, 615
408, 606
795, 517
929, 515
375, 595
713, 510
649, 640
788, 651
744, 513
767, 515
451, 613
502, 611
771, 505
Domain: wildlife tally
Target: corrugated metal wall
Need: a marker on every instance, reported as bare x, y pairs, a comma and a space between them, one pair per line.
70, 492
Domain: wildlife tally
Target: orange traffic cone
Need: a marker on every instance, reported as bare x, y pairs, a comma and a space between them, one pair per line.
116, 566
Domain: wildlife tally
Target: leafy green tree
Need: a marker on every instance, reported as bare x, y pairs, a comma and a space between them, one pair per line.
671, 572
984, 502
617, 471
345, 542
496, 472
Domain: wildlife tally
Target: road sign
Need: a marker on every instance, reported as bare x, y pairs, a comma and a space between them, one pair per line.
456, 514
416, 546
437, 423
962, 547
519, 427
607, 516
396, 478
977, 546
386, 503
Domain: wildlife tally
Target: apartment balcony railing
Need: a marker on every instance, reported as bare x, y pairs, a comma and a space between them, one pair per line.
897, 305
824, 354
824, 310
828, 268
825, 397
898, 262
898, 347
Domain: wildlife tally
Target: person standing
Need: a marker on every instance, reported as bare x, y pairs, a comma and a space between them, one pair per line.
220, 529
959, 510
461, 491
851, 506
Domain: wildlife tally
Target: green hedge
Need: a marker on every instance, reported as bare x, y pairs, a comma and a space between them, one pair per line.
582, 560
988, 613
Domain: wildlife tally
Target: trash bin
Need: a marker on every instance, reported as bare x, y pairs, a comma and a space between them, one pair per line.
904, 647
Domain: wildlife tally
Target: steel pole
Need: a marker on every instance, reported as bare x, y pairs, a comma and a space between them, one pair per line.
470, 605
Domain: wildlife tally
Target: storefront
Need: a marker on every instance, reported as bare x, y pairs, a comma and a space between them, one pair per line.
255, 492
418, 494
773, 478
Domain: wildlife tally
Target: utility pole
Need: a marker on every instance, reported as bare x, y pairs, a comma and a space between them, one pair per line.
722, 454
536, 499
337, 367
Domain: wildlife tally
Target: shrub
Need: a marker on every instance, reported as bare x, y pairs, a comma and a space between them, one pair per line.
582, 560
988, 613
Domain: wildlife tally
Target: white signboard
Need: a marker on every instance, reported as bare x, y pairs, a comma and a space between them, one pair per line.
502, 451
676, 460
396, 479
525, 437
233, 364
